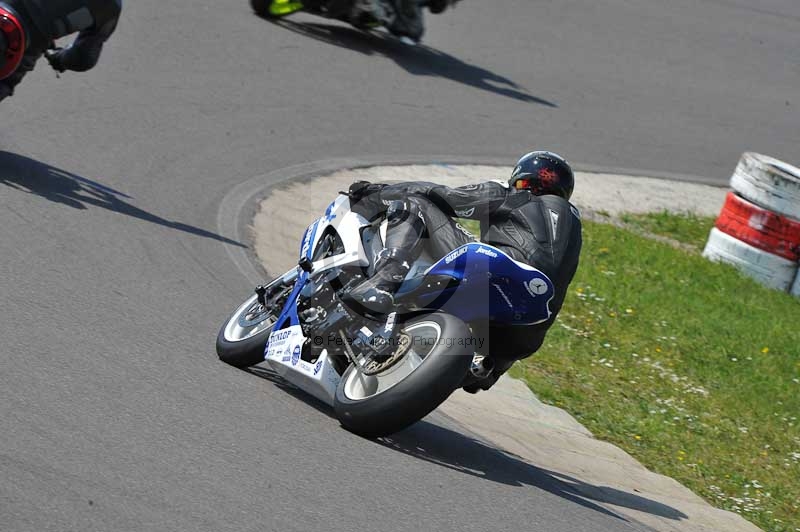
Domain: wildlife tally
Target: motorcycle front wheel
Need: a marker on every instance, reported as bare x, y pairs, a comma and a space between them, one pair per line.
432, 366
242, 338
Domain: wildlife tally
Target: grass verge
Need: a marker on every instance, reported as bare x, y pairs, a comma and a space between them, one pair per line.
685, 364
687, 228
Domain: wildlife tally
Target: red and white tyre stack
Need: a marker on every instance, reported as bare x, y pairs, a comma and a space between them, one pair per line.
758, 229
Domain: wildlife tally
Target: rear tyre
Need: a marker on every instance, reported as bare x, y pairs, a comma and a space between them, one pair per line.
432, 367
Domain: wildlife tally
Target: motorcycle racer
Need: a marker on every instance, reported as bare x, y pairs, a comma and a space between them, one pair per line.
28, 29
530, 219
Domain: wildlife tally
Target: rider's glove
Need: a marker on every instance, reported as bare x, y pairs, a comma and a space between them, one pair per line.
54, 57
365, 200
361, 189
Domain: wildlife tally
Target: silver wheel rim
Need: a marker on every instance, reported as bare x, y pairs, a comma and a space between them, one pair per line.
249, 319
425, 336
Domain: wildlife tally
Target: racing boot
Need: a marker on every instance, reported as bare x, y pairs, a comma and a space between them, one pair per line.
376, 295
407, 24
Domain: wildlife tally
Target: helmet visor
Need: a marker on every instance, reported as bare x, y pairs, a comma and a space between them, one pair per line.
522, 184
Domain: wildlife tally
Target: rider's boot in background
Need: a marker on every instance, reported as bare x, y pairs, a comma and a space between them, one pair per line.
408, 20
376, 294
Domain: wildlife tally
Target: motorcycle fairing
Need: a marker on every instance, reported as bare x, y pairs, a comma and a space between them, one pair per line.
283, 355
284, 347
488, 285
347, 225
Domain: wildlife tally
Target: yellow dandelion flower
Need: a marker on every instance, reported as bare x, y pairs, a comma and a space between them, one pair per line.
765, 350
658, 349
628, 311
637, 437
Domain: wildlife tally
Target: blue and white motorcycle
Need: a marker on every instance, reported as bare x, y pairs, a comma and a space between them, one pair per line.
380, 373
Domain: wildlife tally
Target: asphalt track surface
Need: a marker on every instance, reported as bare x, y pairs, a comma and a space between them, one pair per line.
115, 273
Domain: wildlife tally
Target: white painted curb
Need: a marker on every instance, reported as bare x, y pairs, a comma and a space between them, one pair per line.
770, 270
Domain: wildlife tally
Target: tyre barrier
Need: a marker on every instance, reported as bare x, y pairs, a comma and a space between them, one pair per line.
767, 268
769, 183
758, 229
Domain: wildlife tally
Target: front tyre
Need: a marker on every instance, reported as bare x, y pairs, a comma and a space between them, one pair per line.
242, 338
432, 367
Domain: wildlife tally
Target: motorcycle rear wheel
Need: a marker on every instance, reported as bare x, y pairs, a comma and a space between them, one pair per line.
431, 369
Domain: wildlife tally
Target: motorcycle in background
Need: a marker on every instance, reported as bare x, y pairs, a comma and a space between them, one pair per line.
403, 18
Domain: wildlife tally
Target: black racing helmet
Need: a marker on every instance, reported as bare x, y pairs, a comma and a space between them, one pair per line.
543, 172
12, 41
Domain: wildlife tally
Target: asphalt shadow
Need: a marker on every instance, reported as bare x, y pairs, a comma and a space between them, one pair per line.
458, 452
263, 371
419, 60
66, 188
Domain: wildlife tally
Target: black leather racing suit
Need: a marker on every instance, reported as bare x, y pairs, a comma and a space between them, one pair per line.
542, 231
48, 20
